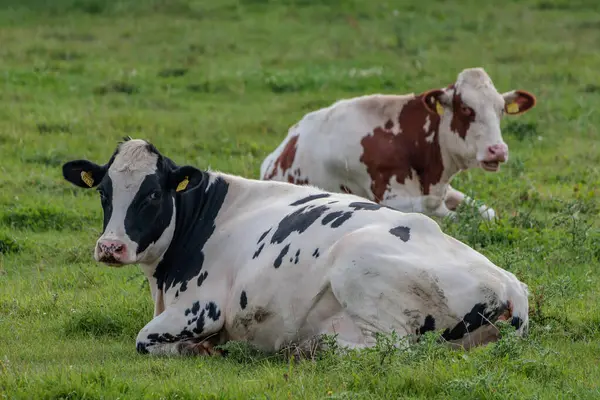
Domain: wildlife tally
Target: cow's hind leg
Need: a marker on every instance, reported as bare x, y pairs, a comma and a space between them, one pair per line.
181, 332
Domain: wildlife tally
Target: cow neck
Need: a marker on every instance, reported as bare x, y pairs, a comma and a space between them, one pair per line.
453, 163
195, 213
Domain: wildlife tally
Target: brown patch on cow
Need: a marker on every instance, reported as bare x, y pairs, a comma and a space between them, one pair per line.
386, 154
297, 181
462, 116
345, 189
286, 158
294, 177
525, 100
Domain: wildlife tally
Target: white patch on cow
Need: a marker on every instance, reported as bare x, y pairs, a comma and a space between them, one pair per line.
211, 179
131, 165
428, 139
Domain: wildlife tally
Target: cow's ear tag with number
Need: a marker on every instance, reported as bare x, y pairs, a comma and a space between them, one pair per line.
87, 178
182, 185
512, 108
439, 108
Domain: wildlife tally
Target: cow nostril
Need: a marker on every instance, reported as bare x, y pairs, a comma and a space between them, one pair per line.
119, 248
492, 150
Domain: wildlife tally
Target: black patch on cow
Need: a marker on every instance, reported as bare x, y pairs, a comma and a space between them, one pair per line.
403, 232
297, 257
141, 348
264, 234
199, 328
310, 198
185, 334
298, 221
338, 218
169, 337
428, 325
202, 277
279, 259
183, 287
195, 308
156, 338
146, 218
331, 216
315, 253
243, 300
213, 311
516, 322
257, 252
177, 293
197, 210
472, 320
105, 189
333, 202
360, 205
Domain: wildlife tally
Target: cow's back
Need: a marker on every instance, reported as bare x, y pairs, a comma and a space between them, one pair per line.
324, 148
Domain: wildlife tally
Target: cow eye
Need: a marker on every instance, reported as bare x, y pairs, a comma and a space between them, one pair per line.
153, 196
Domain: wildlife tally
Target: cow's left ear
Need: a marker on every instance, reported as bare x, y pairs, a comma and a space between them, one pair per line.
518, 102
83, 173
435, 100
185, 178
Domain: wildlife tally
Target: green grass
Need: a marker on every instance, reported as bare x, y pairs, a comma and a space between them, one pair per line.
217, 84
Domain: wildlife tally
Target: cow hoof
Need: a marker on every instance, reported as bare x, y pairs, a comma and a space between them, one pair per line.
452, 216
203, 348
487, 213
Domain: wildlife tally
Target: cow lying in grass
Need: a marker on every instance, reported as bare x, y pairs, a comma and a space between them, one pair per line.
401, 151
275, 264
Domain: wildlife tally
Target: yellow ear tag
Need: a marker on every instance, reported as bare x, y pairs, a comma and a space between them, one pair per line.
87, 178
439, 108
512, 108
182, 185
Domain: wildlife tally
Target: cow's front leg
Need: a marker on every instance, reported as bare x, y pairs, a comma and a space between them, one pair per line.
183, 331
455, 198
435, 206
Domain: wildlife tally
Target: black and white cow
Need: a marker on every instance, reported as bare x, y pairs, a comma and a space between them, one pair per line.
276, 264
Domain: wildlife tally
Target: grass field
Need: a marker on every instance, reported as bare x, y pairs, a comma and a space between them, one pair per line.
217, 84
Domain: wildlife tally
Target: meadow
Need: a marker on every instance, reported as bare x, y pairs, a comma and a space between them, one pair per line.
217, 84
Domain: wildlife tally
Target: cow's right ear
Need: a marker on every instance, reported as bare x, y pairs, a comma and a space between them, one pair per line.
83, 173
435, 101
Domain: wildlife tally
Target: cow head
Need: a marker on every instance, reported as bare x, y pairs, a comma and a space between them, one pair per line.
136, 188
471, 111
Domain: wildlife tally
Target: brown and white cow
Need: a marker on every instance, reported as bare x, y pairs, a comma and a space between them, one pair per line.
401, 150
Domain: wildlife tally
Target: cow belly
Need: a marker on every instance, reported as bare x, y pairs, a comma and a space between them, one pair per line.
271, 329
